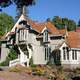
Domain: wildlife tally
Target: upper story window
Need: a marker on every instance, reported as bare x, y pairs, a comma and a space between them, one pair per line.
23, 31
45, 36
23, 35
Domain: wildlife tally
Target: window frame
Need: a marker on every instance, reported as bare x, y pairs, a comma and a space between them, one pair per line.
45, 36
47, 51
74, 54
66, 53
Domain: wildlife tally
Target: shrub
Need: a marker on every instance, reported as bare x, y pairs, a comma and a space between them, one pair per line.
15, 69
38, 71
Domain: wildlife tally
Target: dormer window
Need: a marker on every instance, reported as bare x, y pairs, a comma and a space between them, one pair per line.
45, 36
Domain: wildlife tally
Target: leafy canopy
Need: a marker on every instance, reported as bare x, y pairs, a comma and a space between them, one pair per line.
19, 3
6, 23
61, 22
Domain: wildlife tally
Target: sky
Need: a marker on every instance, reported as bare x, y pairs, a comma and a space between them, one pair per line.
49, 8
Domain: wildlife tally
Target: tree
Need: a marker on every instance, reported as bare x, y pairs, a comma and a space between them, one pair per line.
6, 23
61, 22
65, 21
19, 4
57, 21
71, 25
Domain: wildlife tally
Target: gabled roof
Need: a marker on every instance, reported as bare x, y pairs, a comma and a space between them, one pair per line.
62, 31
73, 39
51, 28
17, 23
39, 27
36, 25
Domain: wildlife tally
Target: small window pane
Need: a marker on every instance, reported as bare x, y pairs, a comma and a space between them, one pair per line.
75, 55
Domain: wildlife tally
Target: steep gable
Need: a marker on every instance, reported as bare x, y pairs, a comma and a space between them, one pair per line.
51, 28
36, 26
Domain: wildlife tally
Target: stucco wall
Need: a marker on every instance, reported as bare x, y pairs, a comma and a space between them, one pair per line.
38, 50
4, 52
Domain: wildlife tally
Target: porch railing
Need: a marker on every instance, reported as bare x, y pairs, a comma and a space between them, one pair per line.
14, 62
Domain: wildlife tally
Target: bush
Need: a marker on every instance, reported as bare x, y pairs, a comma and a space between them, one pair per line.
15, 69
38, 71
4, 63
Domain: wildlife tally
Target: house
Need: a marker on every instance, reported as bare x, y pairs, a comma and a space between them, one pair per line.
70, 50
42, 42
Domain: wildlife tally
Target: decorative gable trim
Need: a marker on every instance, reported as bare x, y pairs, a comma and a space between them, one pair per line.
45, 28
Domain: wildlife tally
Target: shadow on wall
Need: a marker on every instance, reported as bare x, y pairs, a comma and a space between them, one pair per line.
55, 57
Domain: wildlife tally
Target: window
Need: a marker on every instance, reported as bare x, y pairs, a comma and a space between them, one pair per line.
23, 35
65, 53
45, 36
74, 54
47, 52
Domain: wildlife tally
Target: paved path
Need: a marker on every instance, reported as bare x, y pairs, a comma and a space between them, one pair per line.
6, 75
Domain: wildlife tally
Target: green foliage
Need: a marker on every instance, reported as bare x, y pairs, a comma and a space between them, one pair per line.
61, 22
5, 3
11, 56
19, 5
6, 23
57, 21
5, 63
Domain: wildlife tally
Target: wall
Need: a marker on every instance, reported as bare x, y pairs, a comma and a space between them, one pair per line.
70, 63
38, 50
4, 52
